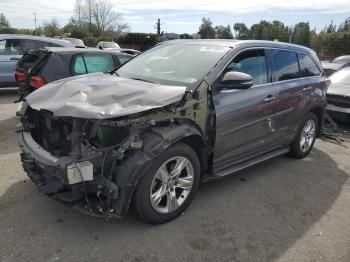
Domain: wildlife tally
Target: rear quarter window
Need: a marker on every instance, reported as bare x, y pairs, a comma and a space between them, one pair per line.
285, 65
308, 66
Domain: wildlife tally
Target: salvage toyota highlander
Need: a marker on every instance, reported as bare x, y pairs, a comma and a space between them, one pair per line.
183, 112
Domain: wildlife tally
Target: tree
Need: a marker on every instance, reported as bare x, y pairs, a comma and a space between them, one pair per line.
78, 10
223, 32
51, 28
185, 36
241, 31
4, 23
101, 14
331, 28
345, 27
206, 30
301, 34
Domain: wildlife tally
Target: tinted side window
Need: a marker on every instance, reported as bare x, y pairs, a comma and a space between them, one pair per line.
307, 66
99, 63
250, 62
10, 47
285, 65
92, 63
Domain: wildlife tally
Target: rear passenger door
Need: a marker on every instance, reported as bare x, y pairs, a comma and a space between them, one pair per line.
292, 77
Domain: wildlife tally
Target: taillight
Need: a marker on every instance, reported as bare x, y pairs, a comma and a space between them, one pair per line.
20, 76
37, 81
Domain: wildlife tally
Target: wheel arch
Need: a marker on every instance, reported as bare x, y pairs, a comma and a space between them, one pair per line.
131, 169
319, 112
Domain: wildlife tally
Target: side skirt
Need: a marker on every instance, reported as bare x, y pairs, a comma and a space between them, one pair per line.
247, 163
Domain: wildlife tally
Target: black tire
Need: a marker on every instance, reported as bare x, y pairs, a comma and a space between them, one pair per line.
296, 150
142, 202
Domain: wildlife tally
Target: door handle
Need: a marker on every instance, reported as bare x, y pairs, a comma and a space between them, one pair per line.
269, 98
14, 58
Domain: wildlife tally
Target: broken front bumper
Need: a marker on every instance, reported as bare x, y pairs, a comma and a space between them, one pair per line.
54, 176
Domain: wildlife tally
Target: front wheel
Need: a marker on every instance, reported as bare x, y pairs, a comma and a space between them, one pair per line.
169, 184
306, 136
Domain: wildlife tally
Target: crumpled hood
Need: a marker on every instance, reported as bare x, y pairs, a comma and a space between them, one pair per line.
102, 96
339, 89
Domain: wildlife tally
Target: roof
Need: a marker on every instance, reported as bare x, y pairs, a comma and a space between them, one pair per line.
64, 43
234, 42
80, 50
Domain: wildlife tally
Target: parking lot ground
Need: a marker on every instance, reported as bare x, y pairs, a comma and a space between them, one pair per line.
282, 210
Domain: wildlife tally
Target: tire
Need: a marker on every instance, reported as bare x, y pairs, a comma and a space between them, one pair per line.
162, 181
304, 140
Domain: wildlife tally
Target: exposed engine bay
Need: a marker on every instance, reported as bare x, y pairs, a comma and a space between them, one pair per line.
95, 164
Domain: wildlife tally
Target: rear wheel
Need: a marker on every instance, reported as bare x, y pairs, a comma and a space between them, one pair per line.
169, 185
306, 136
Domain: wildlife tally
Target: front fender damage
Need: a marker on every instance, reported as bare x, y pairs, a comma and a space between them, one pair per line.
120, 149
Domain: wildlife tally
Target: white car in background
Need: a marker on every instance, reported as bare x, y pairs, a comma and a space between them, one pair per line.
107, 45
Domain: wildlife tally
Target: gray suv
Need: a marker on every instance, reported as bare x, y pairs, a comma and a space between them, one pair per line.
12, 48
182, 112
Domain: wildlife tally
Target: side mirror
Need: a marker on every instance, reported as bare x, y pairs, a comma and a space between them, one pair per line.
100, 47
237, 80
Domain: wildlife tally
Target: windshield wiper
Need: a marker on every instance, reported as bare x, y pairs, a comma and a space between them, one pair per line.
144, 80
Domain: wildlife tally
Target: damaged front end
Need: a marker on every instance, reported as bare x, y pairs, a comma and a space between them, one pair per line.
95, 164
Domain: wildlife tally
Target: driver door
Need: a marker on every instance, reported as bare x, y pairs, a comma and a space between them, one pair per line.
244, 117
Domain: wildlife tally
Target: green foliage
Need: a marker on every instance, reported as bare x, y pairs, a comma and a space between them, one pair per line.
330, 45
301, 34
140, 41
223, 32
206, 29
263, 30
90, 41
185, 36
4, 23
241, 31
51, 28
332, 42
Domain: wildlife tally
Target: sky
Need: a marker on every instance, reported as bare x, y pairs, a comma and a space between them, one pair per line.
184, 16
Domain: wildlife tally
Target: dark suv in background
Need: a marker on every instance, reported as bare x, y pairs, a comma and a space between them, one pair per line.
13, 46
181, 112
45, 65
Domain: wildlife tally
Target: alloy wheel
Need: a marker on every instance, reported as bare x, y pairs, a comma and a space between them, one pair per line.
172, 184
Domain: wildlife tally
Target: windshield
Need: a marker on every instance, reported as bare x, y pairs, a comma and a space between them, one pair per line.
184, 64
342, 76
110, 45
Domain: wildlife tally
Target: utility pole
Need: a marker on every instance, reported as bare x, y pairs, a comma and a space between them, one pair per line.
36, 32
158, 26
